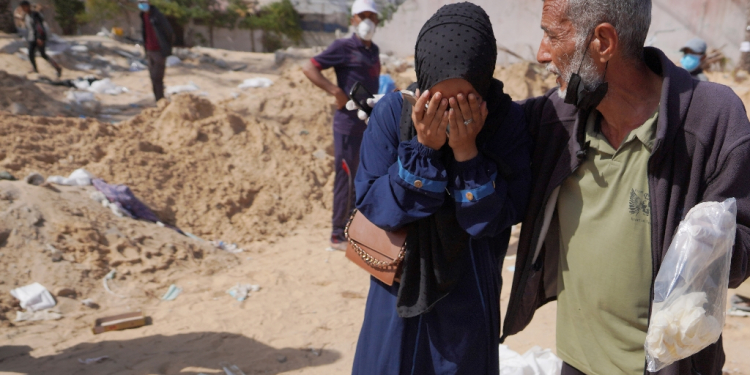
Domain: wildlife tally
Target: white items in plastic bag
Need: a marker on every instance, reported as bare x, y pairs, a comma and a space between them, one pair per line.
690, 290
536, 361
34, 297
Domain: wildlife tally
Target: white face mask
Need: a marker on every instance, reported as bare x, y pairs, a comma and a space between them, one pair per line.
366, 29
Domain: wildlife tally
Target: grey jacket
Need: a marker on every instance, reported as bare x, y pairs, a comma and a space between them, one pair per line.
701, 153
31, 32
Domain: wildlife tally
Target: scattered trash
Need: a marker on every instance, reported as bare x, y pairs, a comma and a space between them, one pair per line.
137, 66
184, 88
34, 178
89, 361
18, 109
110, 276
536, 361
5, 175
192, 236
738, 313
281, 358
33, 316
221, 64
387, 85
230, 369
79, 97
88, 302
320, 154
173, 60
119, 322
511, 268
65, 292
171, 293
55, 255
241, 291
79, 49
127, 203
79, 177
114, 207
255, 83
228, 247
740, 303
105, 86
84, 66
34, 297
304, 132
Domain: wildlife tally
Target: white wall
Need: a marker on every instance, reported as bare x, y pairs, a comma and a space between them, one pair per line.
516, 24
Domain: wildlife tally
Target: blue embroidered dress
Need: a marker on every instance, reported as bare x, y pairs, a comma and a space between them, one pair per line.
401, 182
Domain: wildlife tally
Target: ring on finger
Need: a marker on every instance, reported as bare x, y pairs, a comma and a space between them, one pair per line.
469, 121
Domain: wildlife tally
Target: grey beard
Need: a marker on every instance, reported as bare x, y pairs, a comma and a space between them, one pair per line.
590, 78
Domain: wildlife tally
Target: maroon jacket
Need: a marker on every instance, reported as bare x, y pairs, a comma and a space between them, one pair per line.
701, 153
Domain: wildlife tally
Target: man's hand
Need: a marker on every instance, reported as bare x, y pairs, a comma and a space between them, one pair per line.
341, 98
466, 119
39, 42
430, 123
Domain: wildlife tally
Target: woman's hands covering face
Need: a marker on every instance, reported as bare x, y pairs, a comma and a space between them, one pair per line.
466, 118
432, 121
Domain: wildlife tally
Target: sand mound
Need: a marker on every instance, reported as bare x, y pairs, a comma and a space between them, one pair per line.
525, 80
240, 171
62, 238
16, 89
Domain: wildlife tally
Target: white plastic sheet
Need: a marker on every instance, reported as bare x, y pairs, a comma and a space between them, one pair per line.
79, 177
173, 60
80, 96
106, 86
690, 290
255, 83
34, 297
536, 361
183, 88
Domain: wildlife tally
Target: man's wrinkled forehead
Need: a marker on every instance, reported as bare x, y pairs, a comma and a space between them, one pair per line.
554, 16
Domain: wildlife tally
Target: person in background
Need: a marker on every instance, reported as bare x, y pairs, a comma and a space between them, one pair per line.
157, 41
36, 34
694, 54
19, 17
355, 59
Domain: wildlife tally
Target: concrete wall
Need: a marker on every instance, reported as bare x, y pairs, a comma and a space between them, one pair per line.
516, 24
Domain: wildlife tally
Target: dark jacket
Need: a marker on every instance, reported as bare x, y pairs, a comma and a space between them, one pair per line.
162, 28
701, 153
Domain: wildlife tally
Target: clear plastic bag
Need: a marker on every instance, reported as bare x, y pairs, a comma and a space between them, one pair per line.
690, 290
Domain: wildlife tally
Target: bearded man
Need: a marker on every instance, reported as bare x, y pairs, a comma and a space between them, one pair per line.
624, 148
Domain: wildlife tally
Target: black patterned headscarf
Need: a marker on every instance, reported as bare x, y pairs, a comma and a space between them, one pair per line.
456, 42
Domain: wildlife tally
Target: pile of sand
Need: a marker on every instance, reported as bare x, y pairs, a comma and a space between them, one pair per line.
246, 171
239, 171
61, 238
20, 91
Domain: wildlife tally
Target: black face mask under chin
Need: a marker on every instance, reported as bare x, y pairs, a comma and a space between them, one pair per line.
583, 99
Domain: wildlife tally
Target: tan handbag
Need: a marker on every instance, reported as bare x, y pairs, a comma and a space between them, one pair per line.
377, 251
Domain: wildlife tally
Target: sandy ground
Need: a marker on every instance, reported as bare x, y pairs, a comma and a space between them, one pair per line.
305, 320
262, 180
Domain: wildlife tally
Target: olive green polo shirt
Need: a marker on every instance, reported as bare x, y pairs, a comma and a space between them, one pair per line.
604, 278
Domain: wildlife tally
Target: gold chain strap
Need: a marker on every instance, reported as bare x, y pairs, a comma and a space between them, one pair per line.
367, 258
